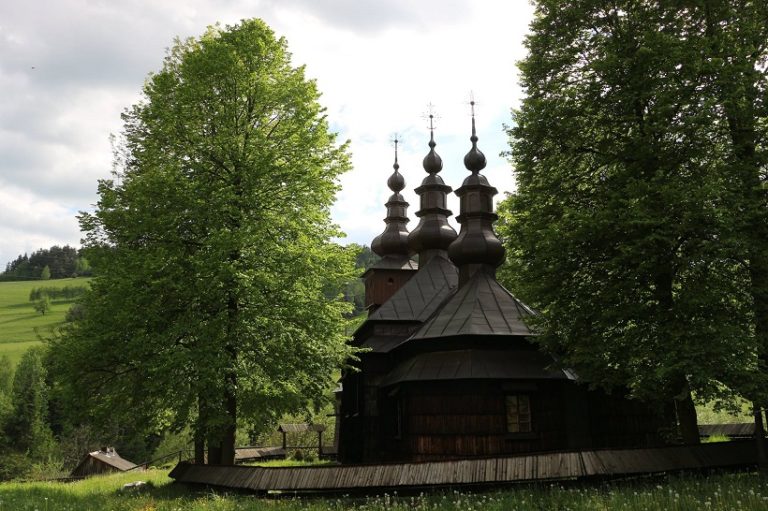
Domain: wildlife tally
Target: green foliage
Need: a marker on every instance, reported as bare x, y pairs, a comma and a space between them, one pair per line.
6, 387
733, 411
45, 273
354, 290
213, 248
6, 375
28, 428
57, 293
62, 262
42, 304
622, 230
716, 439
82, 266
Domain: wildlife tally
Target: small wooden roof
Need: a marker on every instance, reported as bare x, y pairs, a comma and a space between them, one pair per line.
393, 263
300, 428
420, 297
107, 456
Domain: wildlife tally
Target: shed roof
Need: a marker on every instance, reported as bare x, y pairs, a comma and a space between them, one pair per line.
480, 307
477, 364
420, 297
393, 263
111, 458
300, 428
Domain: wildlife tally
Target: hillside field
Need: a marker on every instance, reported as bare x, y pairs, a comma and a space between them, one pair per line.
21, 327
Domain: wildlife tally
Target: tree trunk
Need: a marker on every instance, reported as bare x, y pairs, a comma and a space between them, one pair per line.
199, 448
762, 458
230, 431
214, 451
200, 431
230, 384
686, 417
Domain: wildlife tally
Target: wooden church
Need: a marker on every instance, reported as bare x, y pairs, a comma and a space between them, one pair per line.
449, 370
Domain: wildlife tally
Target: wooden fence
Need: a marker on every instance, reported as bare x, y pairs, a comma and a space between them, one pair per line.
469, 472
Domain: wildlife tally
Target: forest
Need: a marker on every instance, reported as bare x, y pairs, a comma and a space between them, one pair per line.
47, 263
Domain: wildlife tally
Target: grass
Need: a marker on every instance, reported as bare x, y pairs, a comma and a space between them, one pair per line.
21, 327
707, 414
737, 491
290, 463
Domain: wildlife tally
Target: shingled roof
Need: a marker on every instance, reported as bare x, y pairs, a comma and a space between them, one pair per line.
477, 364
481, 307
420, 297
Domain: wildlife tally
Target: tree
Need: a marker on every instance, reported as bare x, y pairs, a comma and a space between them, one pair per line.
82, 267
212, 250
6, 386
45, 273
28, 427
42, 304
620, 230
737, 37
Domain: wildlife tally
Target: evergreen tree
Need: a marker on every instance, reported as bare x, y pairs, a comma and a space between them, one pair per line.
6, 386
213, 249
28, 428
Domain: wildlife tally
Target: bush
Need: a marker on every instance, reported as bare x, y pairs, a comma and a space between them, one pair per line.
14, 465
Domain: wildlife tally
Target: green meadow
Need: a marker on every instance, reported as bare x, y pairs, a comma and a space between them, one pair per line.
734, 491
21, 327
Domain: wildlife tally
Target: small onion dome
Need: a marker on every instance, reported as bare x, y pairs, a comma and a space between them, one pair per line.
474, 160
396, 181
477, 244
433, 233
432, 161
394, 240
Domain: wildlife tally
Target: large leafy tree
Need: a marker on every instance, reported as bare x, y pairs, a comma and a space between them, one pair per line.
621, 230
218, 295
737, 37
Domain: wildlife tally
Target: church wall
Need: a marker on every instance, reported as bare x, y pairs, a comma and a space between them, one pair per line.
443, 420
381, 284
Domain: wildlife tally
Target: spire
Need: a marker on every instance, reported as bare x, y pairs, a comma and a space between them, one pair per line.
477, 246
474, 160
393, 242
434, 234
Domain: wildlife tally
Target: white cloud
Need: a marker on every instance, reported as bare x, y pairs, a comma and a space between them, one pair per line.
69, 67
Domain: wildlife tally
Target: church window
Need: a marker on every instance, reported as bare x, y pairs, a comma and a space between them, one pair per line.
518, 414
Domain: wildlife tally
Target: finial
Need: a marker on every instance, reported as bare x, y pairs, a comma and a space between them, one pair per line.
396, 166
396, 182
431, 116
432, 161
474, 160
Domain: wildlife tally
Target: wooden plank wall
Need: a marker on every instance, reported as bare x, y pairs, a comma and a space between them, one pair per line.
547, 466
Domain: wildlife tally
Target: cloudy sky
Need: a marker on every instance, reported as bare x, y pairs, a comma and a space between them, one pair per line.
69, 67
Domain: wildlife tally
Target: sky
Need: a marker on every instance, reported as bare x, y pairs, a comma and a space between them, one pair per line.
68, 68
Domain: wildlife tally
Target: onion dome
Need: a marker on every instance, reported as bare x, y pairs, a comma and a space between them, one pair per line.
433, 234
477, 245
394, 240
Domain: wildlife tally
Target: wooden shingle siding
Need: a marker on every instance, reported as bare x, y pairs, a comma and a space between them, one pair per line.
551, 466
